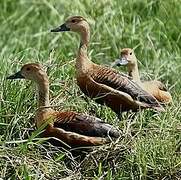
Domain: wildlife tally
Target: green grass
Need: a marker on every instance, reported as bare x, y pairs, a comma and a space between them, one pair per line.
151, 145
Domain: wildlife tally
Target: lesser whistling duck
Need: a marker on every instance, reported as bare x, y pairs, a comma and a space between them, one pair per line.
105, 85
72, 128
154, 87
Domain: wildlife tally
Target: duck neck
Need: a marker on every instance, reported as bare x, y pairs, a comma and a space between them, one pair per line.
82, 57
133, 72
43, 93
84, 37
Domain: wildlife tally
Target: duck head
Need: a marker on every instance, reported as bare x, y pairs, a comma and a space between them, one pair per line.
32, 71
127, 57
74, 23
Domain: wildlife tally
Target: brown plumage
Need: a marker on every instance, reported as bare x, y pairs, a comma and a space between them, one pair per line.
70, 127
104, 84
156, 88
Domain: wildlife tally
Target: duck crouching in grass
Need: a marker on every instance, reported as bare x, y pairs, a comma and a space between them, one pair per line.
72, 128
154, 87
105, 85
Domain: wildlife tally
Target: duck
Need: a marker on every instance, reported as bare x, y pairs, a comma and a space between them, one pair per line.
104, 84
154, 87
74, 129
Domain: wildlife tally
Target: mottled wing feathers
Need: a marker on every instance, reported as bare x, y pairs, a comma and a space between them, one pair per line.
118, 101
122, 83
84, 125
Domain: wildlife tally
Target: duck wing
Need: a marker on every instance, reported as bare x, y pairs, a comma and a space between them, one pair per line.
84, 125
121, 82
73, 139
117, 100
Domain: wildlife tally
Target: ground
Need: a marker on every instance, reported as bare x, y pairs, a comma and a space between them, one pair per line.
150, 145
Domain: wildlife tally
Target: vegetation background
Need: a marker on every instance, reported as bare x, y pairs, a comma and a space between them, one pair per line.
150, 147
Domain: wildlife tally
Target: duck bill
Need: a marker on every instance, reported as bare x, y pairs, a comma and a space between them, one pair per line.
17, 75
61, 28
120, 62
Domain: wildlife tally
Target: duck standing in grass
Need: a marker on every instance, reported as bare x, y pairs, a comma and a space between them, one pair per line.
70, 127
156, 88
105, 85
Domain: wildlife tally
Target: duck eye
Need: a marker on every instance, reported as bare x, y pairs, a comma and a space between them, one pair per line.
28, 69
73, 21
130, 53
